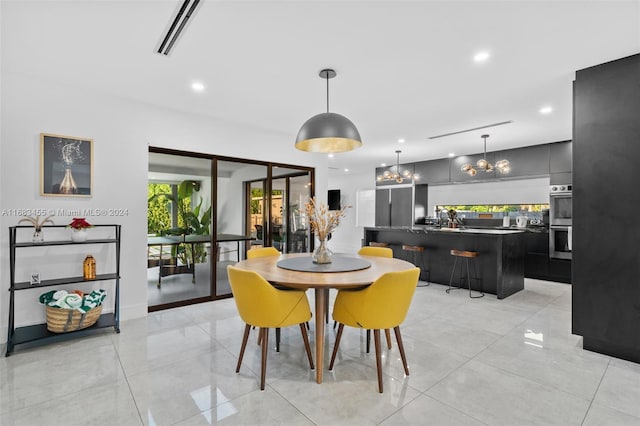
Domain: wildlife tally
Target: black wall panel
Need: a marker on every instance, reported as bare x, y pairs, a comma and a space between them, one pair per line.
606, 234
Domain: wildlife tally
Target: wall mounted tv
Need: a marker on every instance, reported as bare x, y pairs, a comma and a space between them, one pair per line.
333, 199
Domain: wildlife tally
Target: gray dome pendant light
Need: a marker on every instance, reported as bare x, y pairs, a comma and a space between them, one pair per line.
328, 132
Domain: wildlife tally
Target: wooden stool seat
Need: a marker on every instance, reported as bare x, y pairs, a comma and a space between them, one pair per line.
417, 258
376, 244
464, 253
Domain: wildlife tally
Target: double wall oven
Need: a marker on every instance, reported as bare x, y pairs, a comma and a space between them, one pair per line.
560, 216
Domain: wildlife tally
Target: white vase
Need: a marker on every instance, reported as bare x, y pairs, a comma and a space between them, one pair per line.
79, 235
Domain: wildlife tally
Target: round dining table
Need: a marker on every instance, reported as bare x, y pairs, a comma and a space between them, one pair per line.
321, 279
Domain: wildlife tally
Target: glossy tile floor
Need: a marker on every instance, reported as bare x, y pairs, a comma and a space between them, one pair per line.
472, 362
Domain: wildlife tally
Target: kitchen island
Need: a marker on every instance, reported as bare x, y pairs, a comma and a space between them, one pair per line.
500, 265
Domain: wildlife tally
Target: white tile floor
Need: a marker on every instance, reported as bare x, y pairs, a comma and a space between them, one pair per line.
473, 362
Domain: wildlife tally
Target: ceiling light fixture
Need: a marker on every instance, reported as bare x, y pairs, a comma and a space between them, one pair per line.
481, 56
328, 131
396, 175
177, 26
197, 86
503, 167
546, 110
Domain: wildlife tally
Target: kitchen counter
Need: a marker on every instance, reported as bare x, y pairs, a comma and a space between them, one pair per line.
500, 264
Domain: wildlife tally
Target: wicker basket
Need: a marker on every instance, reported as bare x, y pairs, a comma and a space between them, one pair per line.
64, 320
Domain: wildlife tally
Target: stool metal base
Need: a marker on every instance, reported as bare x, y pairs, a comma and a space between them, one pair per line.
461, 279
417, 259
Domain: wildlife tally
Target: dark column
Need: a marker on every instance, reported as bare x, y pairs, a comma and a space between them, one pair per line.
606, 207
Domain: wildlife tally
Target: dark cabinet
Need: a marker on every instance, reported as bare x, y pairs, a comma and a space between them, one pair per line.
536, 260
606, 131
530, 161
433, 171
394, 206
383, 207
560, 155
560, 163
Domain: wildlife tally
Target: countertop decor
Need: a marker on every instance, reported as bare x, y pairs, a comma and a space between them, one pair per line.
323, 221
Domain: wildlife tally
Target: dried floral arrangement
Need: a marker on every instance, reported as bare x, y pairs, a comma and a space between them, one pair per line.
323, 221
35, 221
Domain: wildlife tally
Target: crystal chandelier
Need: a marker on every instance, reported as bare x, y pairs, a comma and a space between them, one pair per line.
396, 175
501, 166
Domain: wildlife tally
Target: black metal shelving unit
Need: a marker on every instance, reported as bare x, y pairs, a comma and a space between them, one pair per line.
39, 332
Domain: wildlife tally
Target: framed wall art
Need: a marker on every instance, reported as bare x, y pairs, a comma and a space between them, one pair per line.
66, 166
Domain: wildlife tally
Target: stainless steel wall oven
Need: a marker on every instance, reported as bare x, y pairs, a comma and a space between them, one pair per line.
560, 221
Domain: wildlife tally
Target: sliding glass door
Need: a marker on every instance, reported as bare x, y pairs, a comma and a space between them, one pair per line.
178, 230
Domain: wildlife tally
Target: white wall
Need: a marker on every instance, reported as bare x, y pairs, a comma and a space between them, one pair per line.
348, 236
122, 131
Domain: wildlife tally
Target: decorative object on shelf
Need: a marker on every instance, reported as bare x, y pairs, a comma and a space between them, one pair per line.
89, 268
66, 164
503, 167
328, 132
323, 221
79, 229
453, 218
396, 175
38, 237
35, 278
72, 311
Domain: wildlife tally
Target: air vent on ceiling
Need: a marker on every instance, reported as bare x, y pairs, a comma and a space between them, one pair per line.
471, 130
177, 26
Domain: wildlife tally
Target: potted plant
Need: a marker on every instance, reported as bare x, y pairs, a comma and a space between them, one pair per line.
191, 221
79, 228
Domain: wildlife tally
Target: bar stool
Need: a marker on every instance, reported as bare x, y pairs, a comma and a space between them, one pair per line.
417, 258
376, 244
466, 255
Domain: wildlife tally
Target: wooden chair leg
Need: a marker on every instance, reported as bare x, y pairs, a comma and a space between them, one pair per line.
368, 340
387, 334
259, 338
376, 341
245, 337
401, 348
265, 351
335, 347
277, 340
307, 347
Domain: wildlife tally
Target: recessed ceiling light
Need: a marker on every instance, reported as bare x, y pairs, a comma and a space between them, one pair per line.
197, 86
346, 170
481, 56
400, 140
452, 154
546, 110
330, 155
383, 164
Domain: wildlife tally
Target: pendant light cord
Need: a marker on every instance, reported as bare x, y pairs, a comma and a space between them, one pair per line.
327, 77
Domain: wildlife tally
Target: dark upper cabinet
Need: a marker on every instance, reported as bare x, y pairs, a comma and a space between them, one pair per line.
403, 167
530, 161
457, 175
560, 157
433, 171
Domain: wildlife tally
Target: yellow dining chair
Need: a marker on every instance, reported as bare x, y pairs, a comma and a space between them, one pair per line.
384, 304
264, 306
254, 253
262, 252
379, 251
376, 251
